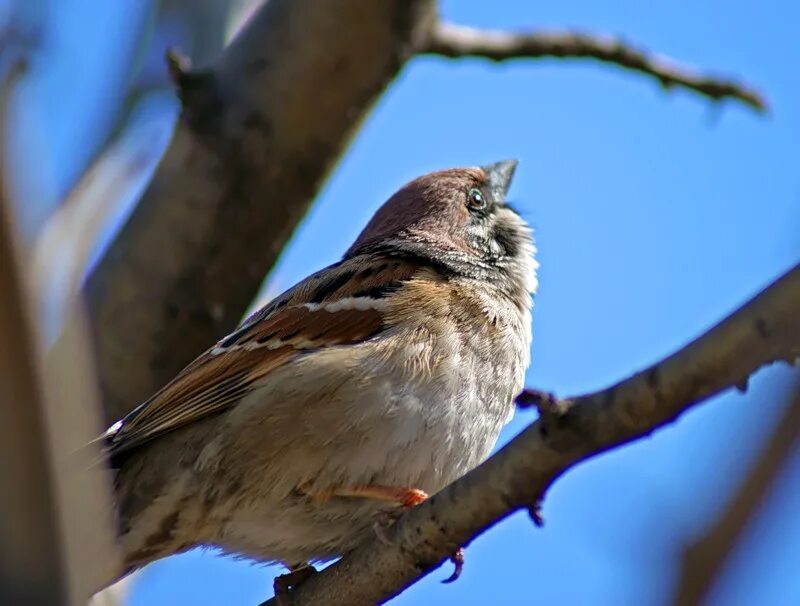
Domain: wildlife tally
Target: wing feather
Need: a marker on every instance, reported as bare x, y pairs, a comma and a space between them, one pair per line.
339, 305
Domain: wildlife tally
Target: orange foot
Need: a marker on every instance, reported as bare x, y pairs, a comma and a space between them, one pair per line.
407, 497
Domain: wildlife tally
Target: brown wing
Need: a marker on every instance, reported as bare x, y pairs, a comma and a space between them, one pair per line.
339, 305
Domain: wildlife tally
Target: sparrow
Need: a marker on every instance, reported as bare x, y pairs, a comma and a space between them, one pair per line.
364, 388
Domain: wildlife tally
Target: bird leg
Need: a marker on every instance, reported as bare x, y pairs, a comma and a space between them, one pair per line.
407, 497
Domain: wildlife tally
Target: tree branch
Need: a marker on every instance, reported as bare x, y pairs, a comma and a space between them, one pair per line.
56, 538
763, 331
450, 40
704, 559
258, 134
32, 567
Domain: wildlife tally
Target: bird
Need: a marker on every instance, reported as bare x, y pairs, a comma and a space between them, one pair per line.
363, 389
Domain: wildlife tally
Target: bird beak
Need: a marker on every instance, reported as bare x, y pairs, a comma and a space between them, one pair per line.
499, 175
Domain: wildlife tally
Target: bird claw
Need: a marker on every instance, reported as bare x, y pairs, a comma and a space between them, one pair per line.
284, 583
458, 565
383, 520
386, 518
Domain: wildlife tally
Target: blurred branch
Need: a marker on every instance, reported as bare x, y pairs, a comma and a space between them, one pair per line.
84, 486
704, 560
763, 331
32, 570
258, 134
456, 41
57, 543
74, 234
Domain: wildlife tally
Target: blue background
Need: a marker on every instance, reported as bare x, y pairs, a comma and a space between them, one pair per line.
655, 215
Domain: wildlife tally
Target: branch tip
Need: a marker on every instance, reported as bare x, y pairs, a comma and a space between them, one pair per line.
535, 513
195, 88
456, 41
178, 65
545, 402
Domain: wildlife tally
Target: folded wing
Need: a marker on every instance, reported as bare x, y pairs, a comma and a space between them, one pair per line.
343, 304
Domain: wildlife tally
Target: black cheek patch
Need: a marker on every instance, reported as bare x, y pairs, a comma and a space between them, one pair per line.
508, 241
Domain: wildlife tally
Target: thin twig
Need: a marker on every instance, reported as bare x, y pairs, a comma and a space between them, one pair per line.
450, 40
763, 331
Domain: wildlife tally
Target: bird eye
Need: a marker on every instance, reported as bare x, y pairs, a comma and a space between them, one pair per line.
476, 200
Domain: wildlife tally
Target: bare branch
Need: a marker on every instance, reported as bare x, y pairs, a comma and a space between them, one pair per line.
705, 558
450, 40
67, 241
56, 538
763, 331
258, 134
32, 569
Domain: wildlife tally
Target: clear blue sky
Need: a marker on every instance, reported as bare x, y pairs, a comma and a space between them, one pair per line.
655, 215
